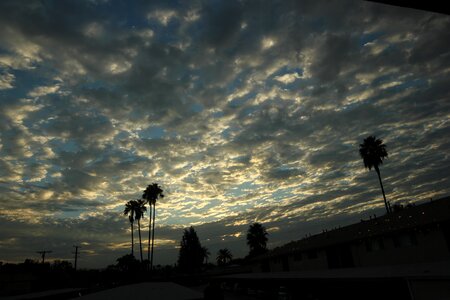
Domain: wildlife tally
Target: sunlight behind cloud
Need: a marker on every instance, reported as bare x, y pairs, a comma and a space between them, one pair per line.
267, 43
164, 16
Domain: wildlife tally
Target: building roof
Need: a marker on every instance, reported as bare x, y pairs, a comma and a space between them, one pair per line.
417, 217
413, 271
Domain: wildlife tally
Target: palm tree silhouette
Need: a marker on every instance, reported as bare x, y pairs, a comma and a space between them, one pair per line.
223, 256
373, 151
151, 194
130, 211
205, 253
257, 239
140, 209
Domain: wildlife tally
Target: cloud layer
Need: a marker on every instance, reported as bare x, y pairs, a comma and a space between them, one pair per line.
243, 111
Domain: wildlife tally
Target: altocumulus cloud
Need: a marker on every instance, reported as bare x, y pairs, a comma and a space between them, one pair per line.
243, 111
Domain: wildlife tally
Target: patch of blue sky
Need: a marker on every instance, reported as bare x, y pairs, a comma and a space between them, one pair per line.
196, 108
249, 110
199, 210
129, 16
97, 85
5, 51
188, 75
51, 171
92, 162
284, 86
165, 34
383, 79
226, 133
27, 176
282, 194
417, 83
122, 136
159, 174
245, 159
237, 102
304, 86
242, 189
238, 81
24, 79
137, 114
180, 219
287, 70
369, 37
152, 132
60, 145
218, 114
34, 185
317, 24
71, 214
261, 201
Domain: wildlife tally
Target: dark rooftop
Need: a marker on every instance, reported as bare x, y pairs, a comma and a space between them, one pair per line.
412, 216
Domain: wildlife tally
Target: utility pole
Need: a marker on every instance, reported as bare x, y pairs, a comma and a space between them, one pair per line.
42, 253
76, 256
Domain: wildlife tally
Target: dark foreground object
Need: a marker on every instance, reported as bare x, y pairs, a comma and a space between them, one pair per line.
146, 290
422, 282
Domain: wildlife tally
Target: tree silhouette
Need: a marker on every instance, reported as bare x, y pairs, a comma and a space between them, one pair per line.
130, 212
373, 151
151, 194
223, 256
139, 211
61, 265
257, 239
190, 258
127, 263
206, 254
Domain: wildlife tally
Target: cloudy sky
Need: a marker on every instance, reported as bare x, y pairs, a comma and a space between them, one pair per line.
242, 111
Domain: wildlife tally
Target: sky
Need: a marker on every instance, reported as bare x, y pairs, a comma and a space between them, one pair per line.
243, 111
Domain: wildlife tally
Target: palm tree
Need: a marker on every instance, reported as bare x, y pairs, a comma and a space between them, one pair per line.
373, 151
257, 239
129, 210
223, 256
206, 254
151, 194
140, 209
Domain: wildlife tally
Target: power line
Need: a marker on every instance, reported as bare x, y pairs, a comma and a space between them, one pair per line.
42, 253
76, 256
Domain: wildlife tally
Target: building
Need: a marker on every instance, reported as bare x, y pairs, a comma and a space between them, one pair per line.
415, 234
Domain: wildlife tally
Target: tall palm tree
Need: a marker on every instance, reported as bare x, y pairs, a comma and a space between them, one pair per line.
140, 209
130, 211
373, 151
206, 254
223, 256
257, 239
151, 194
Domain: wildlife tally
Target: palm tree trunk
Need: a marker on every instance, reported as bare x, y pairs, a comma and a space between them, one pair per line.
149, 235
132, 239
153, 237
140, 240
382, 189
